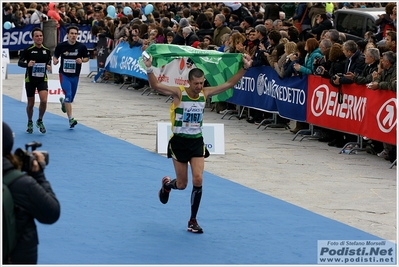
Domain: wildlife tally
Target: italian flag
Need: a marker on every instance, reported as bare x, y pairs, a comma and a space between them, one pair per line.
217, 66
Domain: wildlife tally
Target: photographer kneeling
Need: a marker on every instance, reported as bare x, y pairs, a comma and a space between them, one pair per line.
33, 199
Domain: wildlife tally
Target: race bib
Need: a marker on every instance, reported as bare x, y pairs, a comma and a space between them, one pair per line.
38, 70
192, 119
69, 65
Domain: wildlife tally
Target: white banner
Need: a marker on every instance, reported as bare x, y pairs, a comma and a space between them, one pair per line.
213, 134
175, 73
54, 92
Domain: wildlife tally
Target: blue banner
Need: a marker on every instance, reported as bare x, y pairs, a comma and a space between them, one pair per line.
18, 38
84, 36
125, 60
262, 88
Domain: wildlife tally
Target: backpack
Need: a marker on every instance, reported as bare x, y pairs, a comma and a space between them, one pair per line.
10, 234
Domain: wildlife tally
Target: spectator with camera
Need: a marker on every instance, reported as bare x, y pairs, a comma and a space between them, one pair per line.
313, 53
38, 15
312, 47
386, 80
33, 198
354, 63
372, 60
323, 65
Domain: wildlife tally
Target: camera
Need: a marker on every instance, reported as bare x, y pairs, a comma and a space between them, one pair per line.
26, 157
319, 70
338, 75
317, 60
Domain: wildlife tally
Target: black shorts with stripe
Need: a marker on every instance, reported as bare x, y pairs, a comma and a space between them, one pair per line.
183, 149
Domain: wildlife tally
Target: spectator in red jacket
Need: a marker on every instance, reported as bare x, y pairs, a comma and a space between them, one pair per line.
53, 13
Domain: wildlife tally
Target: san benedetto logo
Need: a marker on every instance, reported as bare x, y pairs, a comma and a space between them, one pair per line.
260, 84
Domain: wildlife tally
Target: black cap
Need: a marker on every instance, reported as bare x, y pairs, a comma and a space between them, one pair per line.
8, 139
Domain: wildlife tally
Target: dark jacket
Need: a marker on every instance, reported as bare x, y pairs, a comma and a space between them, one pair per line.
289, 9
259, 58
34, 199
366, 75
179, 39
191, 38
272, 11
17, 22
299, 12
337, 66
202, 32
387, 79
319, 28
357, 65
289, 69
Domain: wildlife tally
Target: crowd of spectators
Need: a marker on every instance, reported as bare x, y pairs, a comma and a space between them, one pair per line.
269, 32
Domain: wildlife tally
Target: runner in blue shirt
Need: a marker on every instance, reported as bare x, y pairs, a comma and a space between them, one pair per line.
72, 54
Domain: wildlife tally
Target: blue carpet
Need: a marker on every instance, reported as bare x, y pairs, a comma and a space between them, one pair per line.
111, 213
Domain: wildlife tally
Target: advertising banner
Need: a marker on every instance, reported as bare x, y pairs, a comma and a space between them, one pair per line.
84, 36
125, 60
370, 113
262, 88
16, 39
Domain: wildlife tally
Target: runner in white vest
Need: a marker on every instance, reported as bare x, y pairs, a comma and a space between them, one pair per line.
187, 144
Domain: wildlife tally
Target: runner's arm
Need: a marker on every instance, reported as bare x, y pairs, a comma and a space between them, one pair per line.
155, 84
22, 62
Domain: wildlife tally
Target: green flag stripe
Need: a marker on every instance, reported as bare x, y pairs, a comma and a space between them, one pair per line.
218, 67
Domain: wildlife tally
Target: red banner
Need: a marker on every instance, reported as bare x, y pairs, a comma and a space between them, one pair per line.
366, 112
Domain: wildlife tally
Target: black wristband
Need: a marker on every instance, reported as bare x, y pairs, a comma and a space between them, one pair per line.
245, 68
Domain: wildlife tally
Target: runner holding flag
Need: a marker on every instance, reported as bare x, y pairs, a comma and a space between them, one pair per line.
187, 144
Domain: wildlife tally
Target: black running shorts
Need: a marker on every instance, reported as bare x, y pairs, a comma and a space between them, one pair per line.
183, 149
30, 87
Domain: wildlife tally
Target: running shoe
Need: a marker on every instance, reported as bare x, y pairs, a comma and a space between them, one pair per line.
72, 123
29, 128
194, 227
163, 192
62, 105
40, 125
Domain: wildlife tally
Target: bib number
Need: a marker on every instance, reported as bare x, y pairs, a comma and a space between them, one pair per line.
192, 119
38, 70
69, 66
